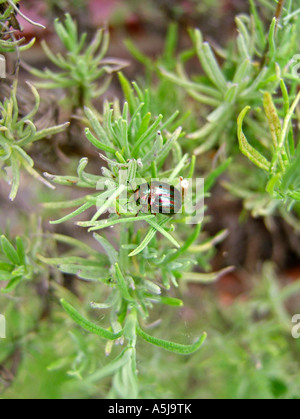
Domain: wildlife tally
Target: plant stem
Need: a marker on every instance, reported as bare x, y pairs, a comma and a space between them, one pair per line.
279, 9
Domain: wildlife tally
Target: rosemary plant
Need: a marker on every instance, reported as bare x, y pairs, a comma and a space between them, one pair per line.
11, 45
144, 267
17, 134
80, 66
274, 186
8, 20
164, 98
258, 61
15, 266
283, 167
117, 286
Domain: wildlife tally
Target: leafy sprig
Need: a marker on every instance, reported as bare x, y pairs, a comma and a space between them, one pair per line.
282, 164
17, 134
258, 61
81, 66
14, 263
143, 268
8, 41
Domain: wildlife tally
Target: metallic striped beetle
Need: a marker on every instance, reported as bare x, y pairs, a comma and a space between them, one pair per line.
159, 197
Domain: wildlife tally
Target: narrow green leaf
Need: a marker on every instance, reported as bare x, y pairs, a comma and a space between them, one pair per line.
112, 368
186, 245
15, 177
68, 217
86, 324
206, 278
96, 143
259, 25
111, 200
21, 250
150, 235
272, 44
174, 302
171, 346
7, 267
148, 134
253, 155
273, 118
10, 251
138, 55
165, 233
5, 275
128, 92
109, 249
122, 285
97, 128
215, 174
13, 283
98, 225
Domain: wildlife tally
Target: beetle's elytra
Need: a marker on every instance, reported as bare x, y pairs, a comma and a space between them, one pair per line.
159, 197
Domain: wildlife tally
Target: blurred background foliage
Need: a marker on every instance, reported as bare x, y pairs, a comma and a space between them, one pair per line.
250, 352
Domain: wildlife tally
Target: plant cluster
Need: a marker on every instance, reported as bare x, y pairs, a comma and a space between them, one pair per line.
17, 134
143, 268
257, 62
9, 24
282, 169
80, 66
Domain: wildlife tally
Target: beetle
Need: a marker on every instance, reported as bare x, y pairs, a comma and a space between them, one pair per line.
160, 197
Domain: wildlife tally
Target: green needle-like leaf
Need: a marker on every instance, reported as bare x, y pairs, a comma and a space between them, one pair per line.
10, 251
249, 151
171, 346
86, 324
